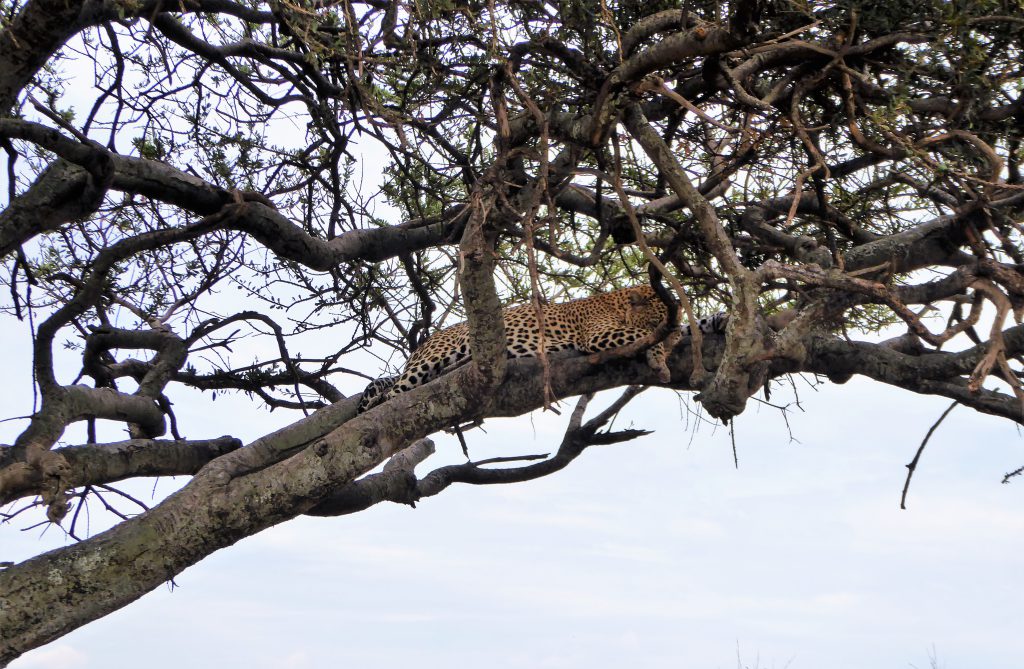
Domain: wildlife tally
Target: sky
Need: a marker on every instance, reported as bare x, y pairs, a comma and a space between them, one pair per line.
653, 553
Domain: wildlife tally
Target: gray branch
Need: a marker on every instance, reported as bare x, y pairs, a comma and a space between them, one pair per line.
94, 464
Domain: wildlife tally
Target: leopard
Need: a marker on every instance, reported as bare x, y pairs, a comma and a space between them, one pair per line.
588, 325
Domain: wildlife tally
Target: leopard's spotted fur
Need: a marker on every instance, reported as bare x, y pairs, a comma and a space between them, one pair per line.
588, 325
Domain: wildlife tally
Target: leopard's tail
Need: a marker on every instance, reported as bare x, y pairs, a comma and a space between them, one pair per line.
376, 392
712, 324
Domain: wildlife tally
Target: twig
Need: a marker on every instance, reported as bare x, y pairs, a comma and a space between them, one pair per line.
917, 456
732, 437
1016, 472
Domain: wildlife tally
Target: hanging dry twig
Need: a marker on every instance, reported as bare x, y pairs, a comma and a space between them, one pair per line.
912, 466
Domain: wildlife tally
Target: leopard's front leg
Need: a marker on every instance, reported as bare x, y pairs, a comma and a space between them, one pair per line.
657, 355
629, 341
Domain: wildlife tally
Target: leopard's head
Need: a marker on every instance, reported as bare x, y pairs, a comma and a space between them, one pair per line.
644, 308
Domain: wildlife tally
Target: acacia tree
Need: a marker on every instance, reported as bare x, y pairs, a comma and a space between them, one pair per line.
186, 176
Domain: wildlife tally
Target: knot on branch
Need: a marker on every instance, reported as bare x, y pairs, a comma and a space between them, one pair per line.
44, 471
397, 483
100, 169
743, 370
807, 250
241, 196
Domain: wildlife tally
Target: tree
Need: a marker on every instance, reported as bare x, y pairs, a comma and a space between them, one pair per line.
184, 188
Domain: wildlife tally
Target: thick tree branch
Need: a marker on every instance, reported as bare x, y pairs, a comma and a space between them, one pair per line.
61, 194
164, 183
94, 464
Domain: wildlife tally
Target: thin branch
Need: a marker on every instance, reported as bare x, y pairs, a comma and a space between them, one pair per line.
912, 466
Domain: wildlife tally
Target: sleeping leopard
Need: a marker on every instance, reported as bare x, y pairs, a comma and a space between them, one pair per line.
589, 325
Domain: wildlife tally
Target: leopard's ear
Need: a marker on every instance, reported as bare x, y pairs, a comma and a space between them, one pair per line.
638, 299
